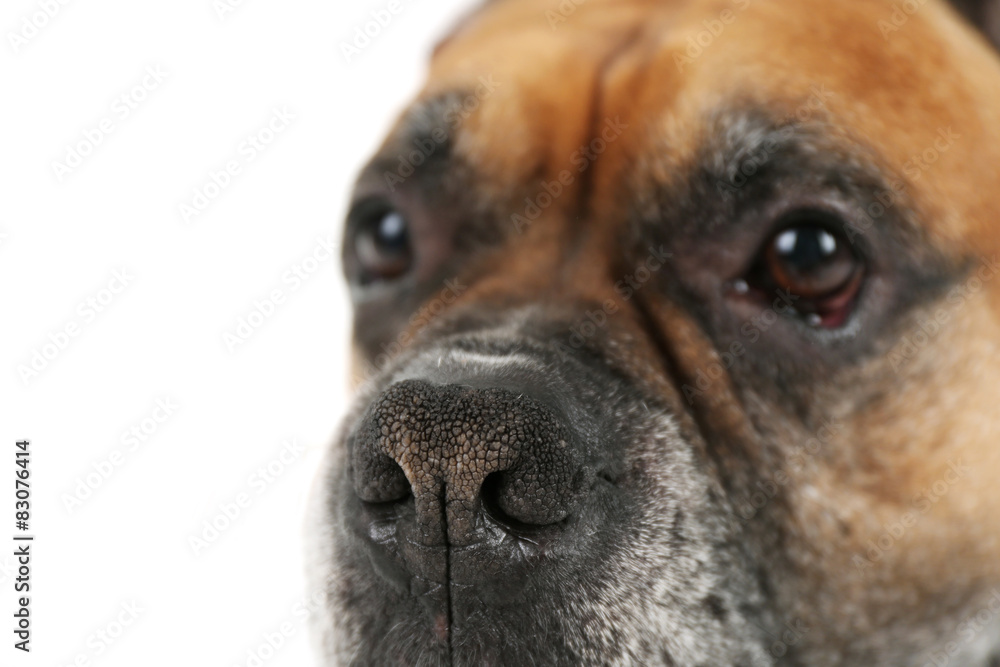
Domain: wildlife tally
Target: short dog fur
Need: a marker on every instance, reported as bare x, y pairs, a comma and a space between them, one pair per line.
577, 439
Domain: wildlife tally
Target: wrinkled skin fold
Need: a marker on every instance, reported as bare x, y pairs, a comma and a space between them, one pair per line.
580, 438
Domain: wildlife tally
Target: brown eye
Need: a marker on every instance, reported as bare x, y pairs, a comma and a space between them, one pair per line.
809, 259
382, 244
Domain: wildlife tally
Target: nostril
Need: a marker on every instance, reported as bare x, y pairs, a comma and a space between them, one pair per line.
379, 479
444, 457
504, 499
490, 494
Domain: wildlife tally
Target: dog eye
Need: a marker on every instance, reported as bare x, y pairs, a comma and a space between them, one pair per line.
810, 259
382, 243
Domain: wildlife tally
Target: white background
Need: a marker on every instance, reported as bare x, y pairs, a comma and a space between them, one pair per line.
161, 337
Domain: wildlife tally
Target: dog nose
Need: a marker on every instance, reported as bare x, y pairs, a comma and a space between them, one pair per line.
467, 455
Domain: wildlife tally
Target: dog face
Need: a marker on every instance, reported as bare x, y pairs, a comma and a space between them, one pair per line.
679, 326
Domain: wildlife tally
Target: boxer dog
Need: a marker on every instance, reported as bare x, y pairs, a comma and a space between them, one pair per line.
678, 343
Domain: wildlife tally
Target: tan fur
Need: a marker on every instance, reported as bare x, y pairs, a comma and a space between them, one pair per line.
945, 406
941, 407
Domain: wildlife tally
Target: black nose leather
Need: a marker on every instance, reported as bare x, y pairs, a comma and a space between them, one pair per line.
465, 454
